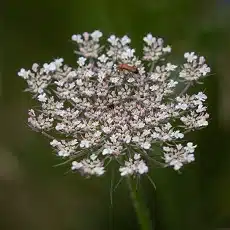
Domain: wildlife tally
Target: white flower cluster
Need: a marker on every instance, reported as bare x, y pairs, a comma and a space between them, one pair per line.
134, 166
114, 105
179, 155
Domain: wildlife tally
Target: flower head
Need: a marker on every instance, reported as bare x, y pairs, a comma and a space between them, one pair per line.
99, 111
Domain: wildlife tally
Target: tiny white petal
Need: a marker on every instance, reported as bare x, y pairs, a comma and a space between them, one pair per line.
81, 61
42, 97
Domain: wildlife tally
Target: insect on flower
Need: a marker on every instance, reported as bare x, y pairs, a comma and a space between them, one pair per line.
127, 67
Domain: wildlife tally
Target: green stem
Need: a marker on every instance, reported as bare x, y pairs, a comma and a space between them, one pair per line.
141, 210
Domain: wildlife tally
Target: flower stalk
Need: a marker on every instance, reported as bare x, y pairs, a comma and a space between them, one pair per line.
141, 210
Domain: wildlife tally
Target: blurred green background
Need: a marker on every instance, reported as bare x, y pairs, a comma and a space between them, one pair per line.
36, 196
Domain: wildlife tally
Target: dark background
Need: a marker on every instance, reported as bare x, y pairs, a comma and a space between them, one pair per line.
34, 195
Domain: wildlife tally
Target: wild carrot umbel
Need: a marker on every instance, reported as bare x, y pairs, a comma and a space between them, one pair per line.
97, 112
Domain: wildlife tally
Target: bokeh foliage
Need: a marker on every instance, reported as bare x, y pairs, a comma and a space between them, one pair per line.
35, 195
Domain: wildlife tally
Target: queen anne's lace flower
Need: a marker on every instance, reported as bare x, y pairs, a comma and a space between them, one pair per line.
114, 105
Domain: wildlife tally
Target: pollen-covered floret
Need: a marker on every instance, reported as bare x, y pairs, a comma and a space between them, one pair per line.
97, 111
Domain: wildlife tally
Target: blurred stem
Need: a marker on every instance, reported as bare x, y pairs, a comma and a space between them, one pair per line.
185, 89
139, 205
